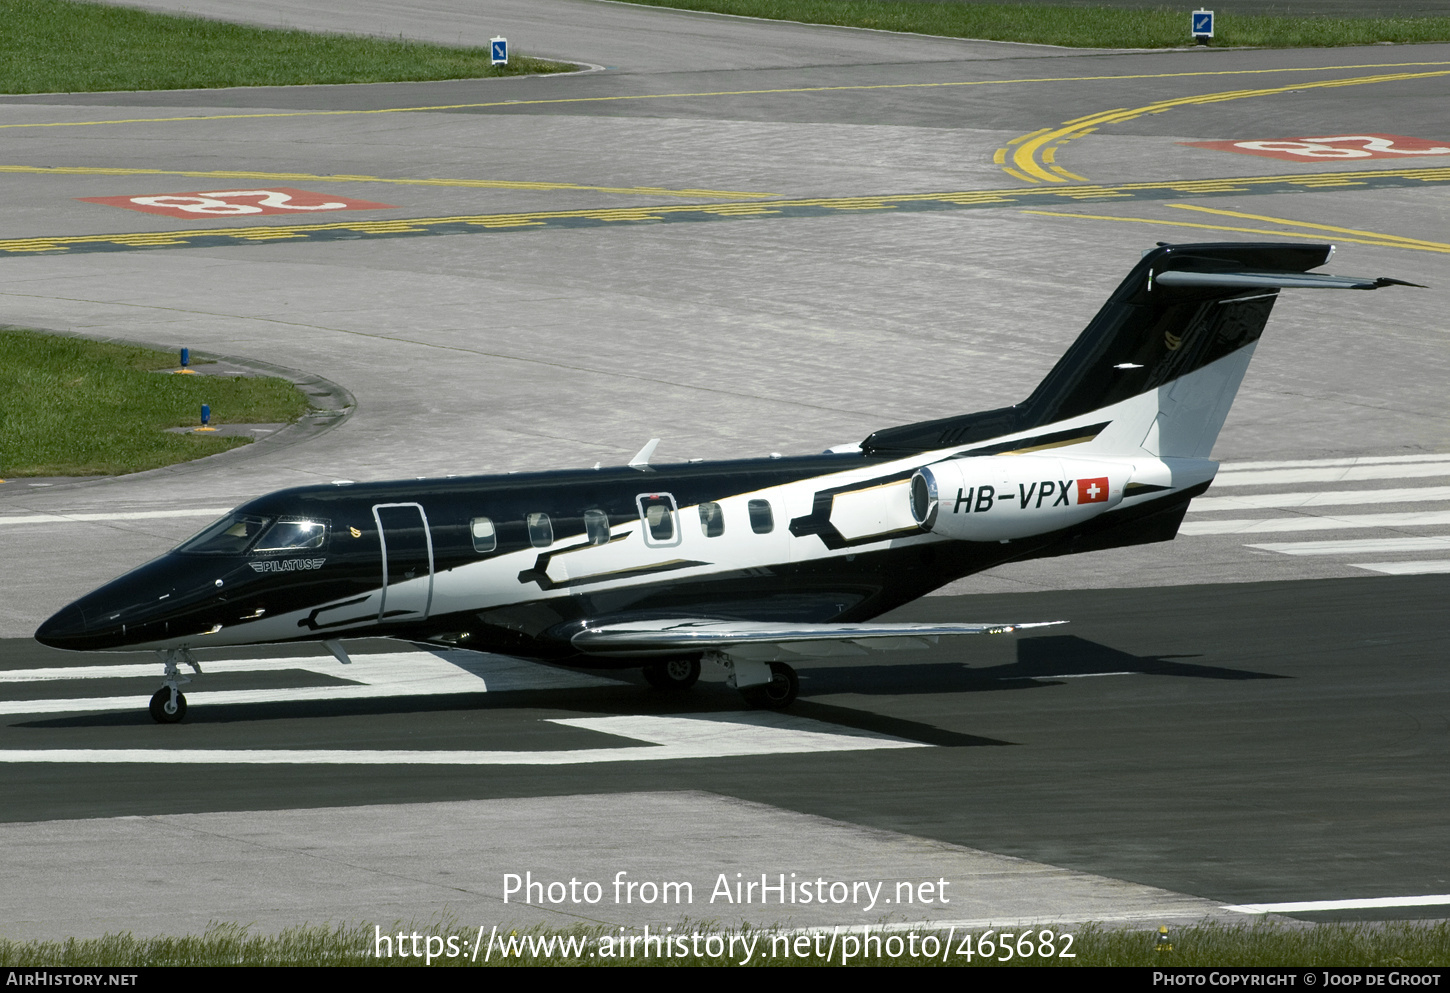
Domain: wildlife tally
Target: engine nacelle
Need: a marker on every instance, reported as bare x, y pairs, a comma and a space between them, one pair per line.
1000, 497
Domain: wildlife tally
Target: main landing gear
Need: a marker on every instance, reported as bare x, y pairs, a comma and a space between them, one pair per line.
777, 694
168, 705
764, 685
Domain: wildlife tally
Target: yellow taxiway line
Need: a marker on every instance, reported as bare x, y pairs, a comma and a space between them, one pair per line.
1032, 156
712, 93
307, 177
1020, 197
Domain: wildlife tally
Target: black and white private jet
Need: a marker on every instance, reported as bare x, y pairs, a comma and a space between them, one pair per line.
745, 563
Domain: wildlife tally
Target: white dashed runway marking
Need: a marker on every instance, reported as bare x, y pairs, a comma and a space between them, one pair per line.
1387, 532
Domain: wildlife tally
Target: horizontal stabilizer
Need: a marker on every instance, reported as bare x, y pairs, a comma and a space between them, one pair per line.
1275, 280
675, 635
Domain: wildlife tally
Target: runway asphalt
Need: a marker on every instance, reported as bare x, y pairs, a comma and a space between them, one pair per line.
743, 253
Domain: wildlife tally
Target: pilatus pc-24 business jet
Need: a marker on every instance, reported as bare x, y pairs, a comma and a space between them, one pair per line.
742, 563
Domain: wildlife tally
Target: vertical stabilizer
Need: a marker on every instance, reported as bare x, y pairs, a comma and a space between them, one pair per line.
1158, 367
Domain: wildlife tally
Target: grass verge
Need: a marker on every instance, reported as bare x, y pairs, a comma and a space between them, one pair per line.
73, 407
1080, 27
1265, 943
59, 46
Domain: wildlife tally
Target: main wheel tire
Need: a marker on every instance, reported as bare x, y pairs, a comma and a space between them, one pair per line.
777, 694
674, 674
161, 710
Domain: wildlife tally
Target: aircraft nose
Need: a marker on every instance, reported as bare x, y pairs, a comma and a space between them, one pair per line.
64, 630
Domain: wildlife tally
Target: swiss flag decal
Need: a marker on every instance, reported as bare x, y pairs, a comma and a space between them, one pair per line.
1092, 490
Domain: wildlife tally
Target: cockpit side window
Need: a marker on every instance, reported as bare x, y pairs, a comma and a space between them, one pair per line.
229, 536
293, 534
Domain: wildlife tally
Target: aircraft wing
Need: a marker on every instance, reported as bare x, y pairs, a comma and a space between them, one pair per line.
768, 640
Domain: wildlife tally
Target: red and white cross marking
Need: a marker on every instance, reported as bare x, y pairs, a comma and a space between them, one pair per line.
1344, 146
238, 203
1092, 490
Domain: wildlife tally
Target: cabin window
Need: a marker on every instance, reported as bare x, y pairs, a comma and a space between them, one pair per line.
485, 535
661, 522
657, 511
541, 531
596, 527
293, 535
229, 536
762, 521
712, 520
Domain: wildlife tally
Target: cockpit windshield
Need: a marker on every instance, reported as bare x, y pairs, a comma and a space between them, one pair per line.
237, 534
229, 536
292, 534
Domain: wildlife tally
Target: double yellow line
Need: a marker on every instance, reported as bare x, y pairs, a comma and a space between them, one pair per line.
1021, 197
1032, 157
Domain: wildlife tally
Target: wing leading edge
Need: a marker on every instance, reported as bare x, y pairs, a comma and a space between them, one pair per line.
673, 636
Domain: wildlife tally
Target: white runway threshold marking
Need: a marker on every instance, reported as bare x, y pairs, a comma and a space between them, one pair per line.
1425, 567
1326, 498
690, 736
1331, 474
1351, 460
386, 674
1359, 546
420, 673
1306, 906
1430, 518
1309, 500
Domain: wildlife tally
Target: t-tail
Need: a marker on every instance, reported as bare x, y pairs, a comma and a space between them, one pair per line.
1131, 410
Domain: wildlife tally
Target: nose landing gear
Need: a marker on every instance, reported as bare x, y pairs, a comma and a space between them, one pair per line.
168, 704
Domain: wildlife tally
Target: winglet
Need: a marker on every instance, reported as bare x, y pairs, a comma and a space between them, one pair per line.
644, 453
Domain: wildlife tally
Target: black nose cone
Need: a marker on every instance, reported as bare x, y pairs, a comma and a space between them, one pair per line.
67, 629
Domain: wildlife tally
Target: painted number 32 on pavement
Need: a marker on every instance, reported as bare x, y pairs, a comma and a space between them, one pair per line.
1345, 146
235, 203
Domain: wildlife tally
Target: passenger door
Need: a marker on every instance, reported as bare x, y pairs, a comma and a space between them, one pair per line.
407, 561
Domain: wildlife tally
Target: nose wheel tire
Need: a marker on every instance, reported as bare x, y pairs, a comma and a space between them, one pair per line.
163, 711
777, 694
675, 674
